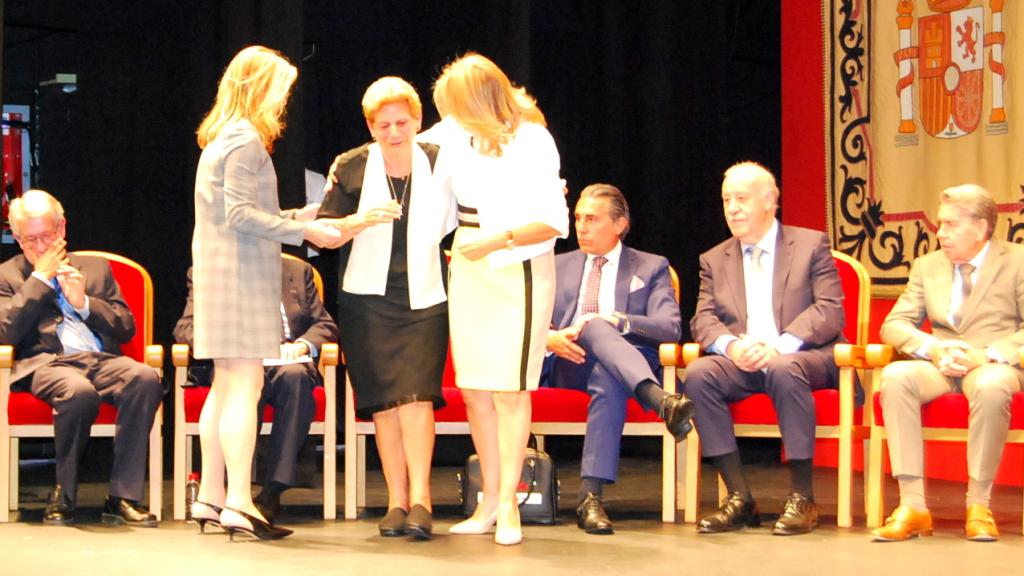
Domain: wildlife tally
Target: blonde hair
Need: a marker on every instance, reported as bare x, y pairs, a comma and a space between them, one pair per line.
390, 90
255, 87
482, 99
34, 204
975, 201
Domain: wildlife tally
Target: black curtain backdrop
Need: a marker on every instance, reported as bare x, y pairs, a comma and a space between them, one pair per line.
656, 97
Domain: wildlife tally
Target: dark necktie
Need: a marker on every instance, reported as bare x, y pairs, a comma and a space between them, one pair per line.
965, 290
593, 287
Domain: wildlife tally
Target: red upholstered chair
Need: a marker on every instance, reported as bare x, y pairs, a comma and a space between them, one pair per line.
944, 419
836, 413
555, 412
24, 416
189, 400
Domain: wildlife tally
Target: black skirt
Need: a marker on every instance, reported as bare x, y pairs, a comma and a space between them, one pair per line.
393, 355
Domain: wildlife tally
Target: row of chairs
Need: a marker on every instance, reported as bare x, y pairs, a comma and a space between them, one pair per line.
556, 412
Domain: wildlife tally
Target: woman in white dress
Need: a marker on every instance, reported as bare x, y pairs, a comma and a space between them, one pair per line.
236, 256
503, 169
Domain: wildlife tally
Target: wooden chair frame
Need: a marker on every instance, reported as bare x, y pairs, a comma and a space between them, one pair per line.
878, 356
849, 358
186, 432
10, 434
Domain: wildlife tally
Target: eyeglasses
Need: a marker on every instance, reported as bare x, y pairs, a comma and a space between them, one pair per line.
45, 238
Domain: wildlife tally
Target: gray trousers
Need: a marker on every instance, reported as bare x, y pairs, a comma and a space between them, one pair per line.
74, 386
909, 384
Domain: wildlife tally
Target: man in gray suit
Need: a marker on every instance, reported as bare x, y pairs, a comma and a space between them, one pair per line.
972, 292
66, 318
613, 306
770, 309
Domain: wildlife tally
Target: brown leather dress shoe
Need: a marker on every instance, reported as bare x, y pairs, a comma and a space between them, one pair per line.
980, 526
904, 523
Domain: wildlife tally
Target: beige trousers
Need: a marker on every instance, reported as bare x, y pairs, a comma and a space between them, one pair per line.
909, 384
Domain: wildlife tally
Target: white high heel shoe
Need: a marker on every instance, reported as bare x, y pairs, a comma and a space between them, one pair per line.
474, 526
509, 535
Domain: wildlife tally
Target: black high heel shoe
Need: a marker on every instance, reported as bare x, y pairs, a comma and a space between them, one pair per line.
247, 524
211, 515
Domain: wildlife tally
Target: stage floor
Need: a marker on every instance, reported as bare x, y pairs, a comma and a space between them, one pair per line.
641, 544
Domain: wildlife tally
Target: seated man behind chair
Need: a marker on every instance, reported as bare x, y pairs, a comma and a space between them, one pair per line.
613, 306
288, 387
972, 291
770, 309
66, 318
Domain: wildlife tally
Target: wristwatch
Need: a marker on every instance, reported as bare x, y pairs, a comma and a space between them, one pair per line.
623, 322
510, 239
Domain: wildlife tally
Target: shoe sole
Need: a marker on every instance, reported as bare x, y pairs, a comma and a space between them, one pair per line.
115, 520
983, 538
600, 531
419, 532
788, 532
391, 532
879, 538
702, 530
58, 522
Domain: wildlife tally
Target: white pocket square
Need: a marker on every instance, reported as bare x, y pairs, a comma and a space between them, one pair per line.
635, 284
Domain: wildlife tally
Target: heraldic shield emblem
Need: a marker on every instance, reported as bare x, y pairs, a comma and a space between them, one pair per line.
951, 61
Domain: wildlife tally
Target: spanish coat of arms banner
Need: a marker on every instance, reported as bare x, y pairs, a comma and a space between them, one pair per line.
921, 95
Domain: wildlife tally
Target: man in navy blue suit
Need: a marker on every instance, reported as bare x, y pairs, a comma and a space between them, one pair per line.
613, 306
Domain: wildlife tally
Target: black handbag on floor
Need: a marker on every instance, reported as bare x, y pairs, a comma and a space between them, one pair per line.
538, 487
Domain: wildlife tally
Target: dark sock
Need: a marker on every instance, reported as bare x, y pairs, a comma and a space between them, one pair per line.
274, 489
731, 469
592, 485
801, 472
649, 394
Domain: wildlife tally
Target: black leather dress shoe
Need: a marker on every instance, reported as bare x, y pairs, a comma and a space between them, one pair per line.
799, 516
268, 505
119, 511
591, 517
677, 412
60, 511
733, 514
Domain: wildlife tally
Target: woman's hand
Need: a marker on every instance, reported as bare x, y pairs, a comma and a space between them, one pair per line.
382, 214
323, 235
476, 250
307, 212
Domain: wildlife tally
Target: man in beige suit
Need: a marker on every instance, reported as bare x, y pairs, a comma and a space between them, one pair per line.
972, 291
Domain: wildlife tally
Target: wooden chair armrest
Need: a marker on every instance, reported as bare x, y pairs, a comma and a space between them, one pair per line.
6, 356
850, 355
179, 355
691, 351
1021, 359
878, 355
668, 353
155, 356
329, 354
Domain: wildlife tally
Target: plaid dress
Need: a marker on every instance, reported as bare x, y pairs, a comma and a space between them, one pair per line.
236, 248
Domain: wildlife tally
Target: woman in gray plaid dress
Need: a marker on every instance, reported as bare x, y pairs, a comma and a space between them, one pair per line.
236, 254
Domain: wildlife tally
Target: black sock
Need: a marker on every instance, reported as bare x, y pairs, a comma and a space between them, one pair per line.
649, 394
589, 484
731, 469
274, 489
801, 472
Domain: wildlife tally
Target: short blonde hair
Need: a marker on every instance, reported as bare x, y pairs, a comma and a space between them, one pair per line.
34, 204
482, 99
255, 87
756, 172
390, 90
975, 201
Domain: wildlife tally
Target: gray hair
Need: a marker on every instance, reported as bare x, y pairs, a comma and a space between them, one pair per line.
34, 204
617, 205
975, 201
